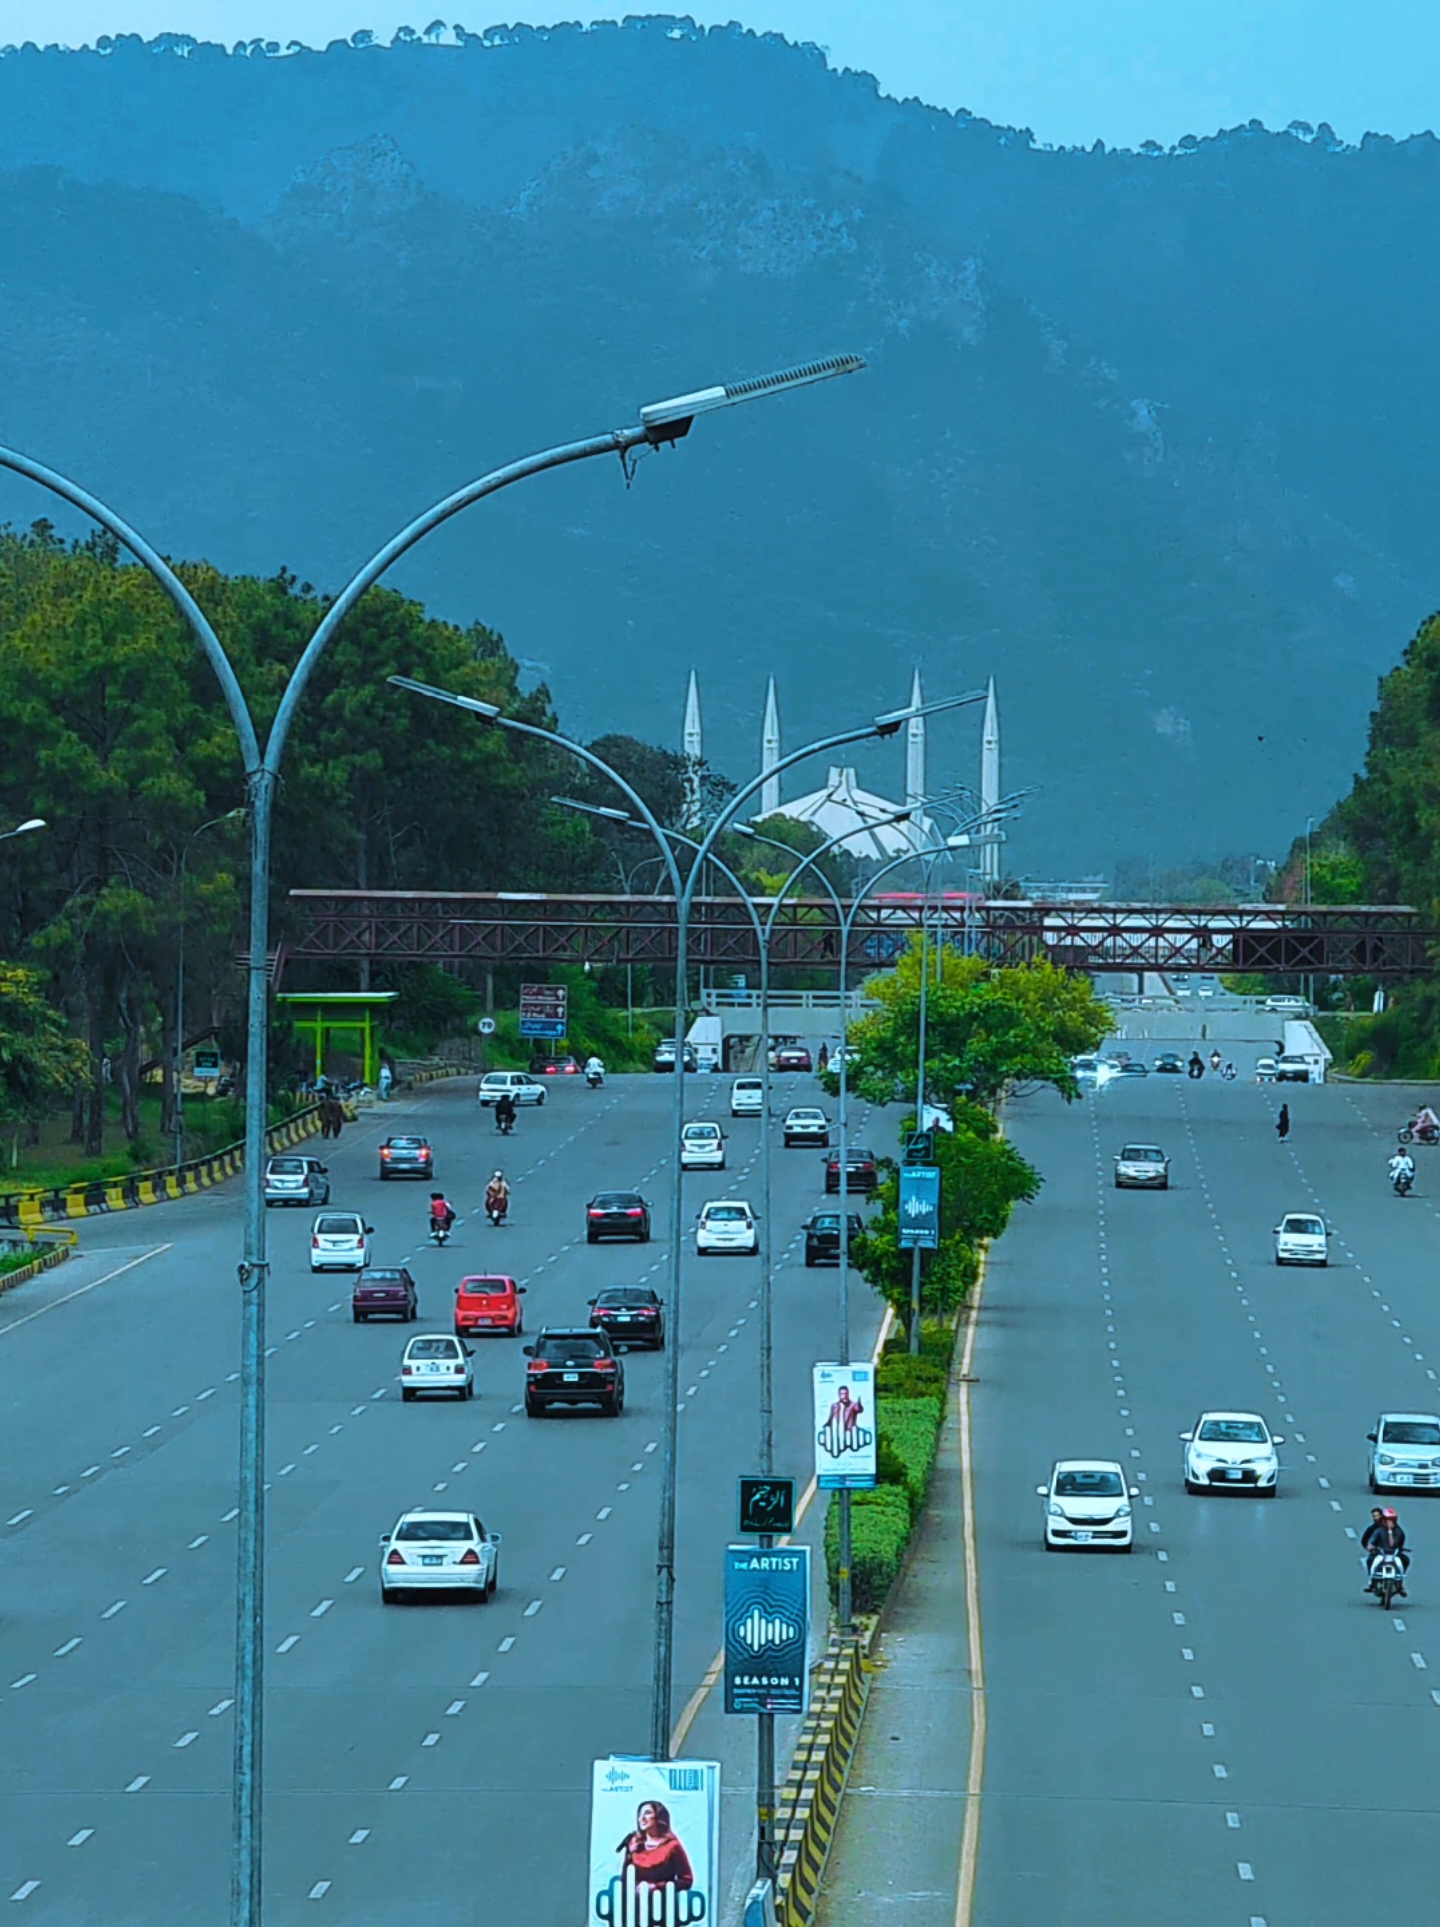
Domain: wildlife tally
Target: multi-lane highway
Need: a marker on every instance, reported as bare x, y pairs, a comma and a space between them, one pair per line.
423, 1759
1221, 1728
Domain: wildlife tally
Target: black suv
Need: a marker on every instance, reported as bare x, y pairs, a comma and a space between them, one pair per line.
617, 1214
861, 1171
573, 1367
630, 1315
822, 1236
407, 1157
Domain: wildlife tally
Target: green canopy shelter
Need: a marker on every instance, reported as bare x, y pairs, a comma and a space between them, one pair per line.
324, 1013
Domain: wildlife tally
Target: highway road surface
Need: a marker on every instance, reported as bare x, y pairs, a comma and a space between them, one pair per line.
427, 1761
1221, 1728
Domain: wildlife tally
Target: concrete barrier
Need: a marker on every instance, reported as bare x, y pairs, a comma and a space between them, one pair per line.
31, 1210
809, 1803
47, 1261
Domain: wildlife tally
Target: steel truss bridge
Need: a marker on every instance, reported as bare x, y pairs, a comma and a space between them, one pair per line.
515, 927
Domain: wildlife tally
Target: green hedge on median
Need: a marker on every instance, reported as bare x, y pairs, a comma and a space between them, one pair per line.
879, 1532
910, 1428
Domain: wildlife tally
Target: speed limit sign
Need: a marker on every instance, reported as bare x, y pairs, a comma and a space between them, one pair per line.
486, 1027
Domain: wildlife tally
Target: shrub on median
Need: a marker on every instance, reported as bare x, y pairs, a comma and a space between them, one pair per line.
879, 1532
909, 1434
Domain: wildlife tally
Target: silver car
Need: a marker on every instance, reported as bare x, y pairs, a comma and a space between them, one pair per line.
1405, 1452
296, 1180
1143, 1167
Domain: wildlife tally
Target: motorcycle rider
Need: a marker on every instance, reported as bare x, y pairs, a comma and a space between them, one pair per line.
1384, 1534
1214, 1060
594, 1071
1425, 1125
1196, 1066
497, 1198
1229, 1072
505, 1113
1402, 1170
442, 1213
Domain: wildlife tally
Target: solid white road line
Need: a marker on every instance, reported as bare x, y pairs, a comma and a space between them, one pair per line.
14, 1324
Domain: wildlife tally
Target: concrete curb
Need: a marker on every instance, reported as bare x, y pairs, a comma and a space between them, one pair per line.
22, 1274
809, 1804
29, 1210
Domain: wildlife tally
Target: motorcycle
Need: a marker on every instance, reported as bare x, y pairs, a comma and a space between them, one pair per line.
496, 1209
1228, 1074
1426, 1134
594, 1079
1401, 1183
440, 1231
504, 1125
1387, 1576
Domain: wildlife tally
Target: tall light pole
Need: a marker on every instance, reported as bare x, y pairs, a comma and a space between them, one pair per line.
660, 423
178, 1096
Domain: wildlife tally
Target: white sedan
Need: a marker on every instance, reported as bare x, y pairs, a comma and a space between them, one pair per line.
340, 1241
727, 1225
1302, 1239
1232, 1452
1087, 1503
436, 1364
702, 1147
807, 1125
439, 1552
523, 1088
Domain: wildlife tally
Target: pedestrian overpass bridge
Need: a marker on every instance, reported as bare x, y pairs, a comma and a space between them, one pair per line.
519, 927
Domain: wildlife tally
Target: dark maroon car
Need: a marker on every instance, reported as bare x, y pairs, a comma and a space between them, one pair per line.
793, 1057
861, 1171
384, 1292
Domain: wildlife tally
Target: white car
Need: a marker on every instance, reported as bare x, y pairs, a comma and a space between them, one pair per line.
436, 1364
1087, 1503
1302, 1239
727, 1225
1085, 1068
747, 1097
1406, 1451
296, 1180
523, 1088
1287, 1006
439, 1552
340, 1241
806, 1126
1232, 1451
1142, 1167
702, 1148
1264, 1070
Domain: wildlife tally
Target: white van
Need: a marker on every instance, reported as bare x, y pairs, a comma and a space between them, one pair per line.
747, 1097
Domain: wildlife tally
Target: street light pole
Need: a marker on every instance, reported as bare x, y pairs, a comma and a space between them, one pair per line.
661, 423
178, 1096
23, 829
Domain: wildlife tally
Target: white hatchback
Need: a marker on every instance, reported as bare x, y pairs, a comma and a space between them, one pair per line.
1302, 1239
727, 1225
439, 1552
436, 1364
1406, 1452
747, 1097
1232, 1452
340, 1241
523, 1088
1087, 1503
702, 1148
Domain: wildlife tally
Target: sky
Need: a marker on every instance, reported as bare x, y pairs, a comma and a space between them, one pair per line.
1121, 71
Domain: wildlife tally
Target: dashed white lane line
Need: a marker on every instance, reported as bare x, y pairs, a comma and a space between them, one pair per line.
79, 1839
401, 1779
353, 1574
479, 1679
233, 1513
209, 1392
1244, 1869
221, 1706
455, 1706
506, 1643
336, 1428
89, 1471
1417, 1660
1220, 1772
141, 1780
21, 1517
187, 1739
150, 1578
585, 1538
1232, 1820
110, 1611
287, 1644
358, 1837
559, 1573
431, 1739
25, 1889
195, 1544
25, 1679
533, 1608
68, 1647
319, 1612
604, 1512
319, 1890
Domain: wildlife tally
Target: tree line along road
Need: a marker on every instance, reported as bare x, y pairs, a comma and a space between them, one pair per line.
424, 1756
1221, 1728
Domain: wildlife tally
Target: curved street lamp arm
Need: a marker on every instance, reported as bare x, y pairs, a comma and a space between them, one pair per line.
617, 442
194, 616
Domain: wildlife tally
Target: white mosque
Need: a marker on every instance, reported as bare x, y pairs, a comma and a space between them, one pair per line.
842, 806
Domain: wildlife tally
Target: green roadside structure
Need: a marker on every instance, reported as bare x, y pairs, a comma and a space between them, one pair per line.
326, 1015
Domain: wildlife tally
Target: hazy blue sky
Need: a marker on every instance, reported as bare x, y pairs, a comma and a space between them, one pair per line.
1073, 70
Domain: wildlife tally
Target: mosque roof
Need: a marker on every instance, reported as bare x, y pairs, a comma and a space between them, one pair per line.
843, 806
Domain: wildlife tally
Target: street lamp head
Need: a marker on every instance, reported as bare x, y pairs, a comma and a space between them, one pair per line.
889, 724
593, 809
488, 710
667, 421
30, 823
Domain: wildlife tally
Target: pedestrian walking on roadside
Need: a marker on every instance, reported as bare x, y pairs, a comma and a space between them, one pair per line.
1282, 1123
387, 1078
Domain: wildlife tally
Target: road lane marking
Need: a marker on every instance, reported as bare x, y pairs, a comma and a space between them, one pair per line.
187, 1739
25, 1679
358, 1837
479, 1679
319, 1612
195, 1544
24, 1891
353, 1574
140, 1780
14, 1324
159, 1573
221, 1706
506, 1643
431, 1739
110, 1611
68, 1647
79, 1839
21, 1517
319, 1890
288, 1643
533, 1608
399, 1781
455, 1706
1244, 1869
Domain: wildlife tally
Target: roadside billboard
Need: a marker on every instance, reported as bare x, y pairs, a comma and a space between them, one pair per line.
767, 1628
844, 1426
654, 1842
919, 1207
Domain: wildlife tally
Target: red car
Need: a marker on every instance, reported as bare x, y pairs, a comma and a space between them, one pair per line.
793, 1057
489, 1305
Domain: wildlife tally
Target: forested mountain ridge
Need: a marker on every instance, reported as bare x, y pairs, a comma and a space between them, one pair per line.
1150, 437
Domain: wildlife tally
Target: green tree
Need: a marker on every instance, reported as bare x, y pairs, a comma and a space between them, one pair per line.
40, 1060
